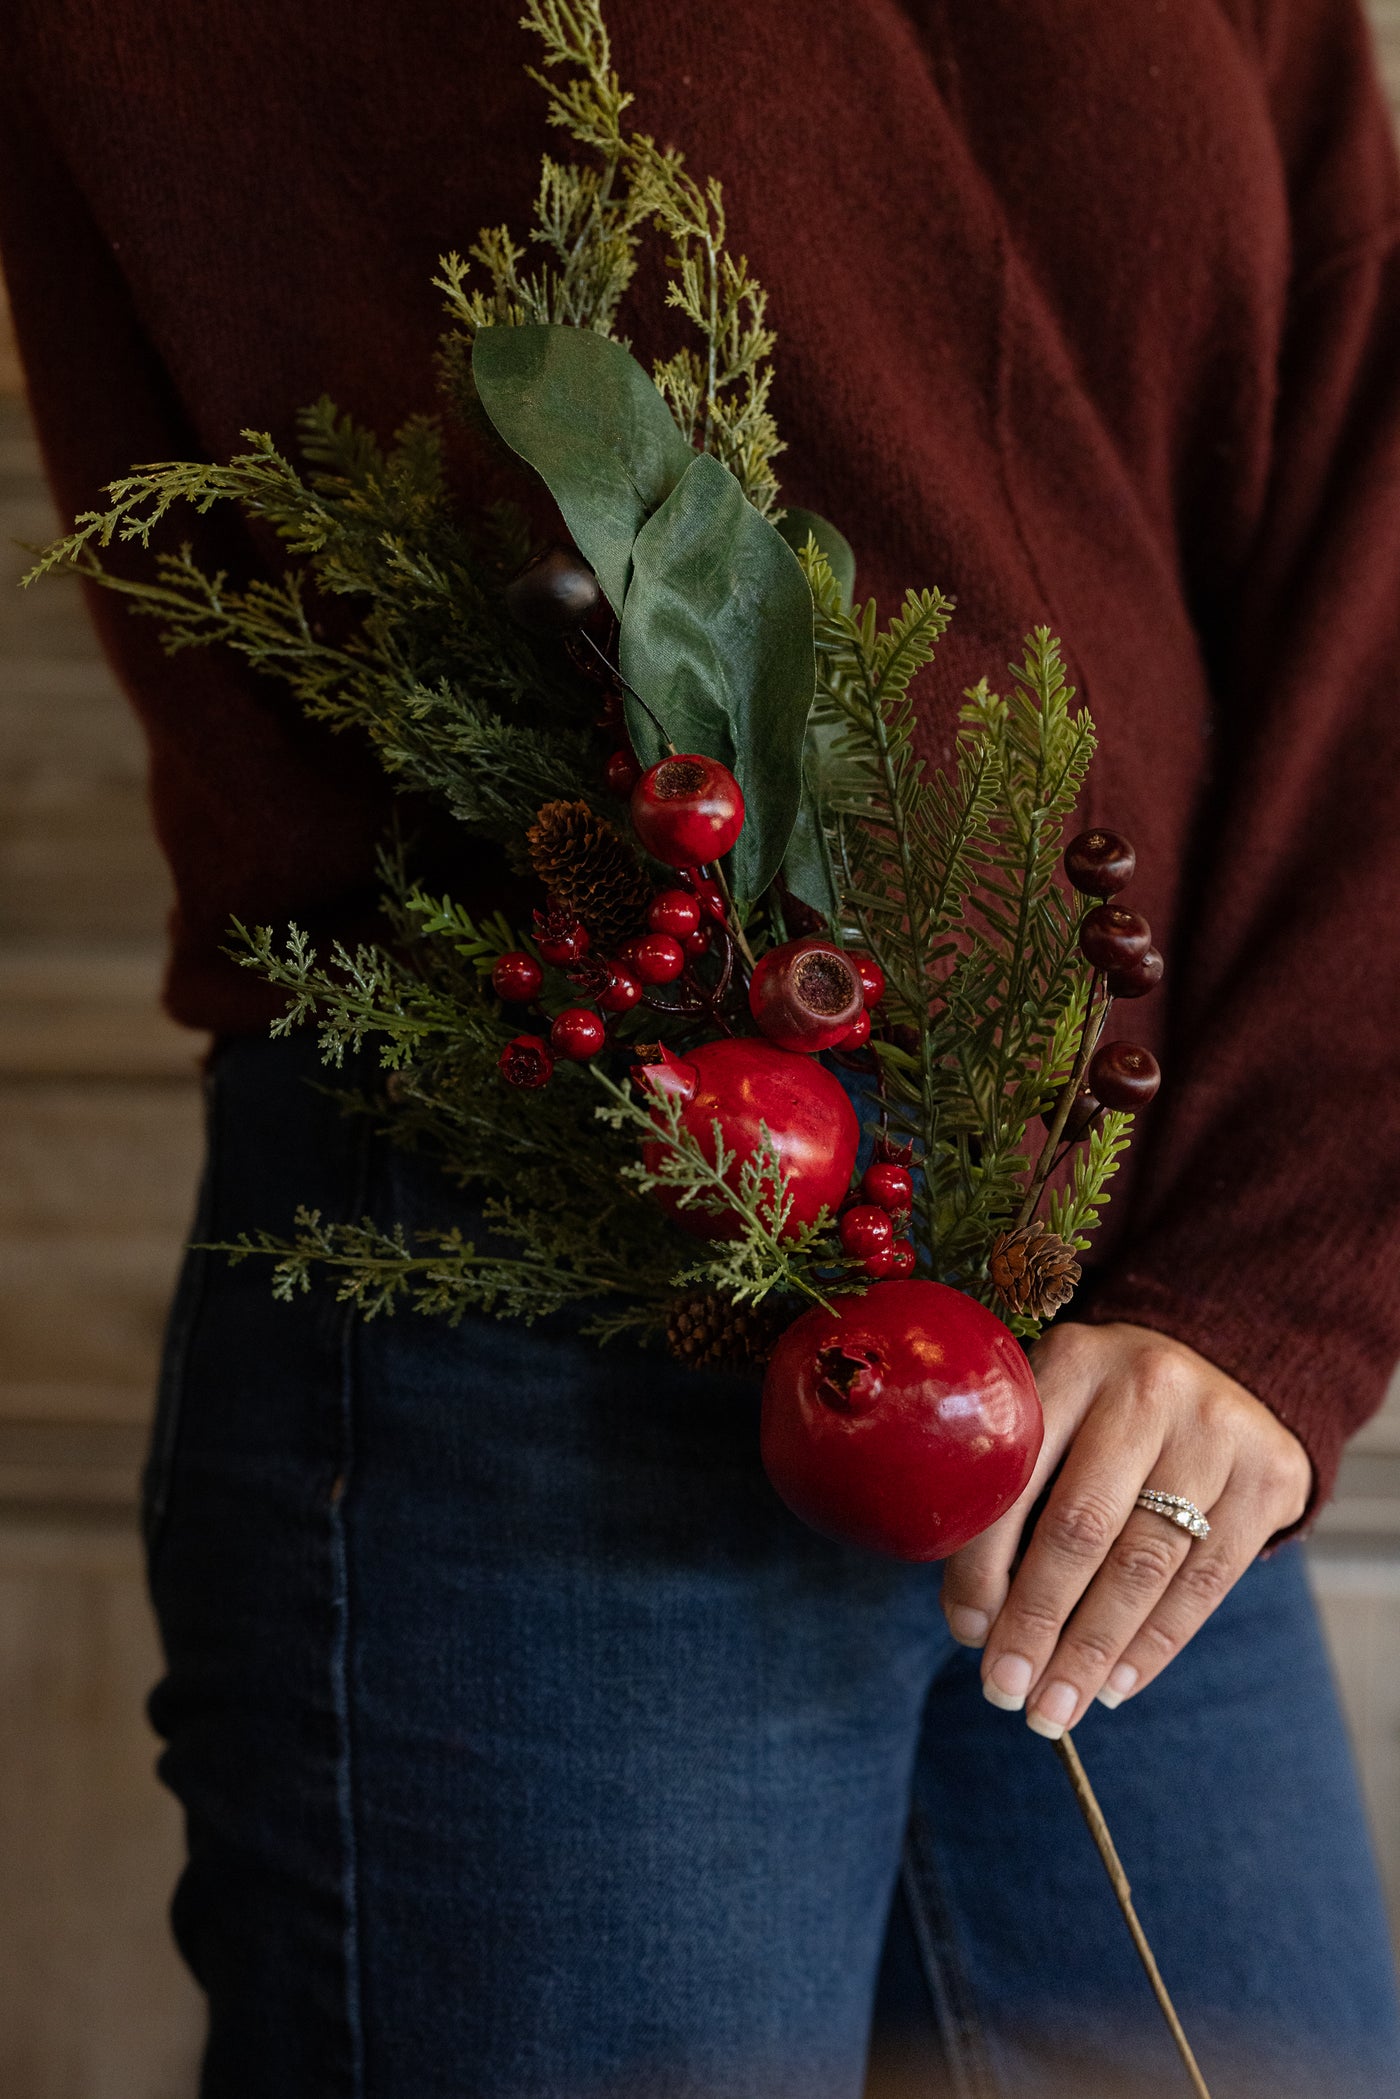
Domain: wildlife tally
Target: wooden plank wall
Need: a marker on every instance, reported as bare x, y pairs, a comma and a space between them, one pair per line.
99, 1145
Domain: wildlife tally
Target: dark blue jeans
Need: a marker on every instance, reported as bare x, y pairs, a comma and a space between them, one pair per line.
531, 1750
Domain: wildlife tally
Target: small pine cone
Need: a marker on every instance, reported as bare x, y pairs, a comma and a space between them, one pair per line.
590, 869
710, 1332
1033, 1270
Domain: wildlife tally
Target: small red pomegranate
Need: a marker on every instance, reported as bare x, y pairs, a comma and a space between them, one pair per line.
746, 1087
905, 1420
806, 995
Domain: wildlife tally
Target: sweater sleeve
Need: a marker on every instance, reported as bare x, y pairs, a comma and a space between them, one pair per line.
1267, 1235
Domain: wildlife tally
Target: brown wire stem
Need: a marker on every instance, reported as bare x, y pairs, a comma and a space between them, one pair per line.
1098, 1829
1095, 1014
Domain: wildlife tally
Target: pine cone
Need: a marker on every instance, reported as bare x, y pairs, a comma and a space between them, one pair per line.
1033, 1270
710, 1332
590, 869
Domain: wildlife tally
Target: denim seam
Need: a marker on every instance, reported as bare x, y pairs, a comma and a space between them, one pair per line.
935, 1935
340, 1666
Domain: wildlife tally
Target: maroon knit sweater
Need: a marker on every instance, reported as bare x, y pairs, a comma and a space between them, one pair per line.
1088, 312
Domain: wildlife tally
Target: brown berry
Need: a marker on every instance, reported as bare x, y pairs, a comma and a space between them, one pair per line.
1143, 976
1100, 863
1112, 938
1124, 1075
554, 593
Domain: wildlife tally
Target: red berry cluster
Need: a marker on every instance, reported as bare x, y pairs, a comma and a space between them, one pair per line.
872, 1229
1118, 943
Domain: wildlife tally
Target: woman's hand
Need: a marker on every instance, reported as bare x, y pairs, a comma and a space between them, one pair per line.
1107, 1592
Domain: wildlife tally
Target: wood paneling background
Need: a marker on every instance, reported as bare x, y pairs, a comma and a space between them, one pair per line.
99, 1144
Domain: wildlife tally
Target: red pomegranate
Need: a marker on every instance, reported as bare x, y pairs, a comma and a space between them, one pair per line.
747, 1086
905, 1420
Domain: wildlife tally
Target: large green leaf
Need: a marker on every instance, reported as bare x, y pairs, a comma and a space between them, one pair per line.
840, 554
717, 639
582, 412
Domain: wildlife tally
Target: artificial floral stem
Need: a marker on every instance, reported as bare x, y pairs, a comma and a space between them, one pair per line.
736, 931
1094, 1019
589, 643
1098, 1829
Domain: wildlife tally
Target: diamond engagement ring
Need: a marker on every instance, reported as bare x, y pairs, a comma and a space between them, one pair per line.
1177, 1509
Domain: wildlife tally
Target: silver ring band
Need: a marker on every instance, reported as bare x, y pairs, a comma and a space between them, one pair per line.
1177, 1509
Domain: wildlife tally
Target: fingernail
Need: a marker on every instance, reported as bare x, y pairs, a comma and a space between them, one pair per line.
1120, 1682
970, 1628
1008, 1683
1054, 1709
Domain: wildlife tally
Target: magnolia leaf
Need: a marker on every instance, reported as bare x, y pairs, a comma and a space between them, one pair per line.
717, 640
581, 411
797, 525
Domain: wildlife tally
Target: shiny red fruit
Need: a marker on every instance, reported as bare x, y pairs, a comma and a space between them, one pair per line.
673, 911
1124, 1075
1139, 978
857, 1034
577, 1034
903, 1259
805, 995
525, 1061
872, 978
698, 942
517, 977
621, 992
710, 898
621, 774
562, 939
1112, 938
656, 958
905, 1421
687, 810
748, 1086
892, 1187
865, 1230
1099, 863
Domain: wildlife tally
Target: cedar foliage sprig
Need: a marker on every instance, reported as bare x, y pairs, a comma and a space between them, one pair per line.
589, 221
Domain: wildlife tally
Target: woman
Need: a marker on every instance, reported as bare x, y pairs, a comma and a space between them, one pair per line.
527, 1746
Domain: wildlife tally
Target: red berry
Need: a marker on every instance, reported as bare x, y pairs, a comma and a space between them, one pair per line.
673, 911
698, 942
892, 1187
525, 1061
1112, 938
872, 978
748, 1087
687, 810
905, 1420
1124, 1075
857, 1034
710, 898
562, 938
903, 1259
621, 992
577, 1034
865, 1230
805, 995
553, 593
517, 978
1142, 976
621, 774
1100, 863
656, 958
